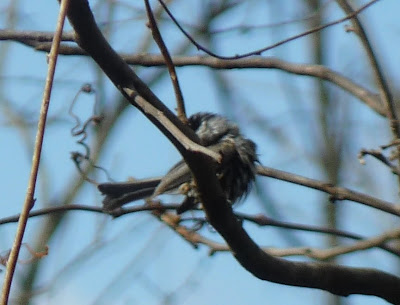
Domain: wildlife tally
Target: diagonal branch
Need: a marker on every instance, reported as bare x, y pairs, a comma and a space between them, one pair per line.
168, 61
385, 94
336, 279
29, 201
90, 38
380, 78
337, 193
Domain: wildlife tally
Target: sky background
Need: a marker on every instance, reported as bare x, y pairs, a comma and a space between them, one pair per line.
135, 259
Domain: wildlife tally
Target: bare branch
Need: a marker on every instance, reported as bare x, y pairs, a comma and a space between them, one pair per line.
336, 279
263, 220
260, 51
358, 246
93, 209
33, 36
338, 193
377, 154
37, 151
173, 221
168, 60
369, 98
383, 86
314, 253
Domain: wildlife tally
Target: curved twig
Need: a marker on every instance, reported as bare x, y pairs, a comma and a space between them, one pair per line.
260, 51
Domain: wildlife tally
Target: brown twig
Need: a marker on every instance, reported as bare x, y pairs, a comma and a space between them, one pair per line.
93, 209
325, 254
395, 142
263, 220
377, 154
314, 253
260, 51
195, 239
35, 255
357, 246
383, 86
29, 201
180, 103
245, 28
35, 36
337, 193
172, 221
369, 98
158, 209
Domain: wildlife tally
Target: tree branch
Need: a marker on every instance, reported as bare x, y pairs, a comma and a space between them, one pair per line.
337, 193
29, 201
383, 86
39, 41
171, 220
260, 51
168, 61
336, 279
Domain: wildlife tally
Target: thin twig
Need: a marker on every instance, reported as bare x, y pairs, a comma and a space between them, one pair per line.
195, 239
245, 28
260, 51
180, 103
377, 154
34, 254
158, 208
383, 85
380, 78
325, 254
93, 209
337, 193
357, 246
371, 99
29, 201
33, 36
174, 222
263, 220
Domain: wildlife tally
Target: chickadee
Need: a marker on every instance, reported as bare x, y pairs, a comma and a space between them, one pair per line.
236, 174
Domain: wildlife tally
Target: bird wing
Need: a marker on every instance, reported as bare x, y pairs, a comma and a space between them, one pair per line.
175, 177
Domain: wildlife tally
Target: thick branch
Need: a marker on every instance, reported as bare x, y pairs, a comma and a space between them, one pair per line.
89, 38
336, 279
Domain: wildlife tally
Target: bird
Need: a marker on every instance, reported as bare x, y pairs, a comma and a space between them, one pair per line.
236, 173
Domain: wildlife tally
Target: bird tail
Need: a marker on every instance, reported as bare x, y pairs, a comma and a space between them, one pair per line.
118, 194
